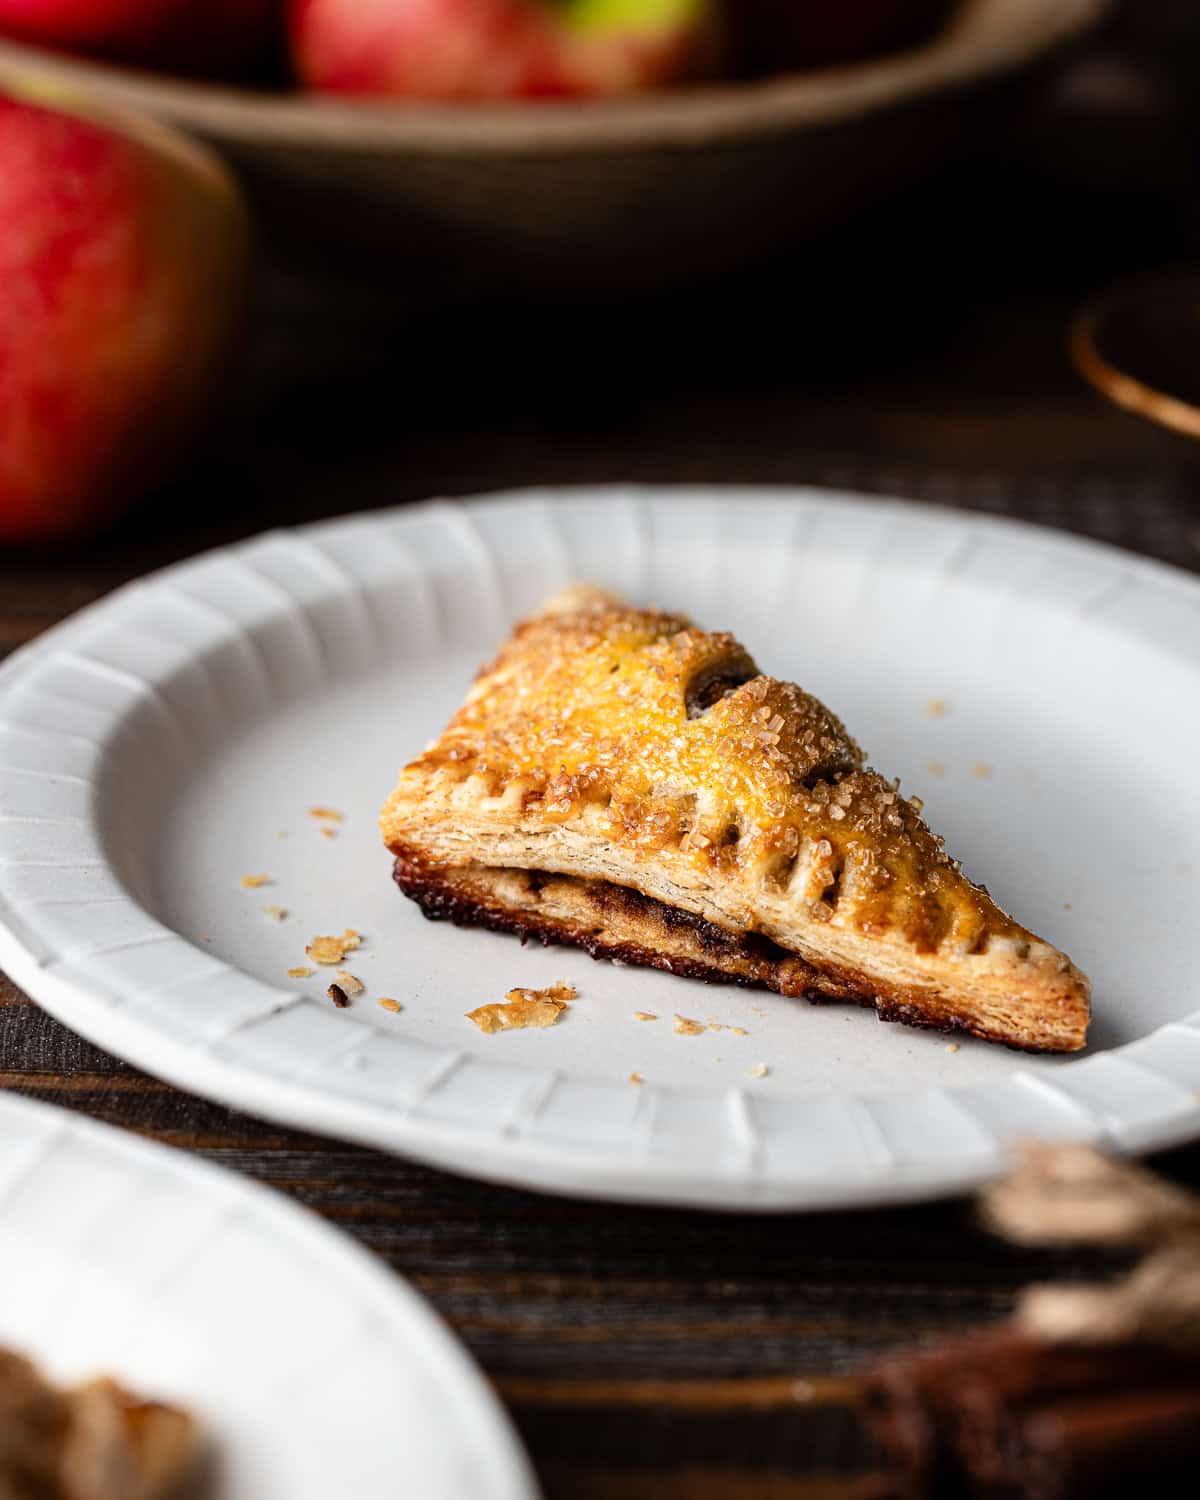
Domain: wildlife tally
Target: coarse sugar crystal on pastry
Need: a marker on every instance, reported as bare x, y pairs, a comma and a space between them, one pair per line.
621, 780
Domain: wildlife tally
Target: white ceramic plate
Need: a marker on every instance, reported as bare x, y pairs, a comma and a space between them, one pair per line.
156, 746
314, 1372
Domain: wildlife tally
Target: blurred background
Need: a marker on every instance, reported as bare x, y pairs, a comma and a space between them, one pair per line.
858, 256
890, 313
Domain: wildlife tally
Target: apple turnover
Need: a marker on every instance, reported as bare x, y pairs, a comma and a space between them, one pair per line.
90, 1442
621, 780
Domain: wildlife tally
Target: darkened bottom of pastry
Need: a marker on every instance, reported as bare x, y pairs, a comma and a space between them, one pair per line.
616, 923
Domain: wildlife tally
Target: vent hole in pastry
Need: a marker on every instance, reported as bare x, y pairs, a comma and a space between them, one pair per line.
832, 893
783, 869
729, 837
831, 772
712, 684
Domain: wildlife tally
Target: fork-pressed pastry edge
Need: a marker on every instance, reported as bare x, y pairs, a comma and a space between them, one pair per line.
616, 922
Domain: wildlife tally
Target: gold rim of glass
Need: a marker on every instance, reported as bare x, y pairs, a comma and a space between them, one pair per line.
1085, 346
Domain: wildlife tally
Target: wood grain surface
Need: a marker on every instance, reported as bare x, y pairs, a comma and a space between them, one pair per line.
651, 1352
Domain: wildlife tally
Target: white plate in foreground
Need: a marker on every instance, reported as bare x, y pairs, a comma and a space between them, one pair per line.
1041, 693
312, 1370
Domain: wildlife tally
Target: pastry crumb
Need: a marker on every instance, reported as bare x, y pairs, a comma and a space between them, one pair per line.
982, 770
739, 1031
326, 812
300, 972
252, 882
685, 1027
524, 1008
560, 990
387, 1003
350, 982
636, 1078
644, 1015
326, 832
276, 913
338, 995
282, 834
759, 1070
951, 1046
937, 708
517, 1015
1067, 906
935, 767
331, 950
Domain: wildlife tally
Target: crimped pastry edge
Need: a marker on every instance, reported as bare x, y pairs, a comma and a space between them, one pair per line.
620, 923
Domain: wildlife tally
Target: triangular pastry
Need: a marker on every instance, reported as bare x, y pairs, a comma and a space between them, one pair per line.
621, 780
91, 1442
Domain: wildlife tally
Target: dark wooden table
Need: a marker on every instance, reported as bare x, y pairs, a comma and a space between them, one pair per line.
641, 1352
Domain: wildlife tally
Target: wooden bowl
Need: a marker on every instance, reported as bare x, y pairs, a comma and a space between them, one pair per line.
601, 196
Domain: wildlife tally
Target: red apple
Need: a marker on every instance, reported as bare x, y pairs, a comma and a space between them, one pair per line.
122, 263
498, 49
187, 35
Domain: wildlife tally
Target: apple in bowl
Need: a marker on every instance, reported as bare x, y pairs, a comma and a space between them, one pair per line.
193, 36
122, 277
500, 49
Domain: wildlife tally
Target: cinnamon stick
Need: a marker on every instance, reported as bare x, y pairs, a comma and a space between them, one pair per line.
955, 1418
1098, 1449
991, 1407
1090, 1388
907, 1407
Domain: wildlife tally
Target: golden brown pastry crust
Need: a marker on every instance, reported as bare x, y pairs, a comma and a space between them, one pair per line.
626, 749
34, 1422
95, 1442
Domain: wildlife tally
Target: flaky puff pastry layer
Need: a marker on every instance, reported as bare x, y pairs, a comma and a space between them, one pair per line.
627, 748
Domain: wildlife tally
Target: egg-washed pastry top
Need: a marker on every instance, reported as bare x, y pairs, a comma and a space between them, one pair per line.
621, 780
